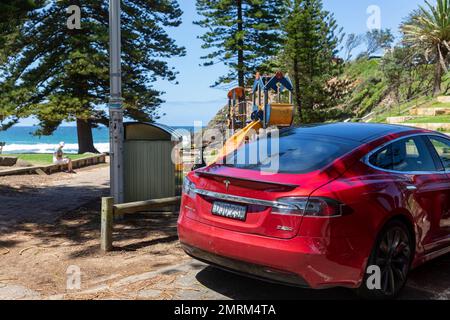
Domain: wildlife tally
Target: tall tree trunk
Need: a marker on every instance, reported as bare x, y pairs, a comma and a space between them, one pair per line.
241, 76
443, 53
85, 138
437, 79
397, 93
241, 66
297, 93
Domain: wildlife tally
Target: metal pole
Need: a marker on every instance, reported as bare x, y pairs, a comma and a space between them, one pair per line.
115, 103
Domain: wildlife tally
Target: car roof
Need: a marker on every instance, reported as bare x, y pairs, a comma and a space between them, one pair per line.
356, 131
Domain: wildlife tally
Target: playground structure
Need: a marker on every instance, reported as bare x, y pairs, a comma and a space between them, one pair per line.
237, 109
265, 112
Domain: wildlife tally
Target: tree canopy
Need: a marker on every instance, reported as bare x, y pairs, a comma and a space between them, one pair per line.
312, 45
60, 74
242, 34
429, 29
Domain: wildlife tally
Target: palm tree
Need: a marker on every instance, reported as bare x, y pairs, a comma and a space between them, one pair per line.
429, 29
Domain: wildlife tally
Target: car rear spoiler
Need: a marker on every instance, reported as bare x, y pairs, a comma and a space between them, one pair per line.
262, 182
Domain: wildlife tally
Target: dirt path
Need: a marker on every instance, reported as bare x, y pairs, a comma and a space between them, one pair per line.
44, 198
50, 225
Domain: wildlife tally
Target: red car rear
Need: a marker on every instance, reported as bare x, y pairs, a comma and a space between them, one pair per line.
343, 199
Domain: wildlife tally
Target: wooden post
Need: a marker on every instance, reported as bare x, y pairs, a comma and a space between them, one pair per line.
107, 224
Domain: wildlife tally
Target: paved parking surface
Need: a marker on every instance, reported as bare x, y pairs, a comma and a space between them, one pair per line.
431, 281
194, 280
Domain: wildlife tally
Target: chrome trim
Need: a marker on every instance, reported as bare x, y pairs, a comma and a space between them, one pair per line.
238, 199
265, 203
366, 158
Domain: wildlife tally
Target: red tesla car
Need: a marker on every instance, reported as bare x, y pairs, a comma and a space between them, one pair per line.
346, 202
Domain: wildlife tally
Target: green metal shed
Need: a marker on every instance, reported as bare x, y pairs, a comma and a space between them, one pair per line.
149, 172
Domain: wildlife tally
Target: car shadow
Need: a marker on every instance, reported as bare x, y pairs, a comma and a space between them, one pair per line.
428, 282
239, 287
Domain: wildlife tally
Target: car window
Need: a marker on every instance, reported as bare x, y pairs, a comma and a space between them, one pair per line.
382, 159
406, 155
442, 147
297, 153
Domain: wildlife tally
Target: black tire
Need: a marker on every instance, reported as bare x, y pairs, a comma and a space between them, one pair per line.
393, 253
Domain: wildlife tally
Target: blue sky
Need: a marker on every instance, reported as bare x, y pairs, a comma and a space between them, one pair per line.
193, 99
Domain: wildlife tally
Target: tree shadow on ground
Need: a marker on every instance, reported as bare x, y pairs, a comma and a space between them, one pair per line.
28, 212
137, 232
8, 243
143, 244
16, 192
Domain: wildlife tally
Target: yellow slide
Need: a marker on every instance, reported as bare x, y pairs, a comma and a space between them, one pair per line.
238, 139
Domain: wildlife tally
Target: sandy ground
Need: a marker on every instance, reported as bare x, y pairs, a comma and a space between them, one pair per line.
49, 223
44, 198
49, 230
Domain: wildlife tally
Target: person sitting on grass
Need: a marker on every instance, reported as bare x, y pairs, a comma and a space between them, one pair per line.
58, 158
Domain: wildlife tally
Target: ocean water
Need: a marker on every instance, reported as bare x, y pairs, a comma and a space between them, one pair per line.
21, 140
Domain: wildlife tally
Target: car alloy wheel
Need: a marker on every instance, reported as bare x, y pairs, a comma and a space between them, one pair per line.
393, 255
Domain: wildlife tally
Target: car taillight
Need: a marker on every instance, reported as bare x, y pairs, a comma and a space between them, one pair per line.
311, 207
189, 188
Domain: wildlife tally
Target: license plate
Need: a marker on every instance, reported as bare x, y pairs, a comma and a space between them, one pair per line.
228, 210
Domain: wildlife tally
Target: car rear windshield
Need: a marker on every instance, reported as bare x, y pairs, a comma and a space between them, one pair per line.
296, 153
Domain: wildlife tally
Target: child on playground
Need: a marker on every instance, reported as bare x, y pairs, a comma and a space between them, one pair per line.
58, 158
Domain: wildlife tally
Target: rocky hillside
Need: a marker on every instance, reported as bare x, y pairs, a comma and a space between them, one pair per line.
372, 99
219, 121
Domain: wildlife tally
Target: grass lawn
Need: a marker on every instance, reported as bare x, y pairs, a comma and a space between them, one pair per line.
440, 105
42, 159
404, 109
431, 119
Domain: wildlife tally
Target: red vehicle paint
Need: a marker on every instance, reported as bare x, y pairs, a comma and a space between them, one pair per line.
346, 196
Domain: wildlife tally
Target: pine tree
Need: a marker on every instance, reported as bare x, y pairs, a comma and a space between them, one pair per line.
12, 15
243, 34
62, 74
312, 41
13, 11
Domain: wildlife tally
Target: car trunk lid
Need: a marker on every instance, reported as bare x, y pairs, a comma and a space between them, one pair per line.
222, 189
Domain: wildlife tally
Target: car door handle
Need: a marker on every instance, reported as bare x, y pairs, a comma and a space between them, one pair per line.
411, 188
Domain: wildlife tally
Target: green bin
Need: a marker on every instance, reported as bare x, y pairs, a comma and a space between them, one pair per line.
149, 172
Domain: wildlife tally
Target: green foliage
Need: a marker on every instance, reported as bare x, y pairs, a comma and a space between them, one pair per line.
388, 85
12, 12
43, 158
312, 40
363, 69
369, 89
437, 104
61, 74
428, 30
243, 34
431, 119
377, 40
406, 71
